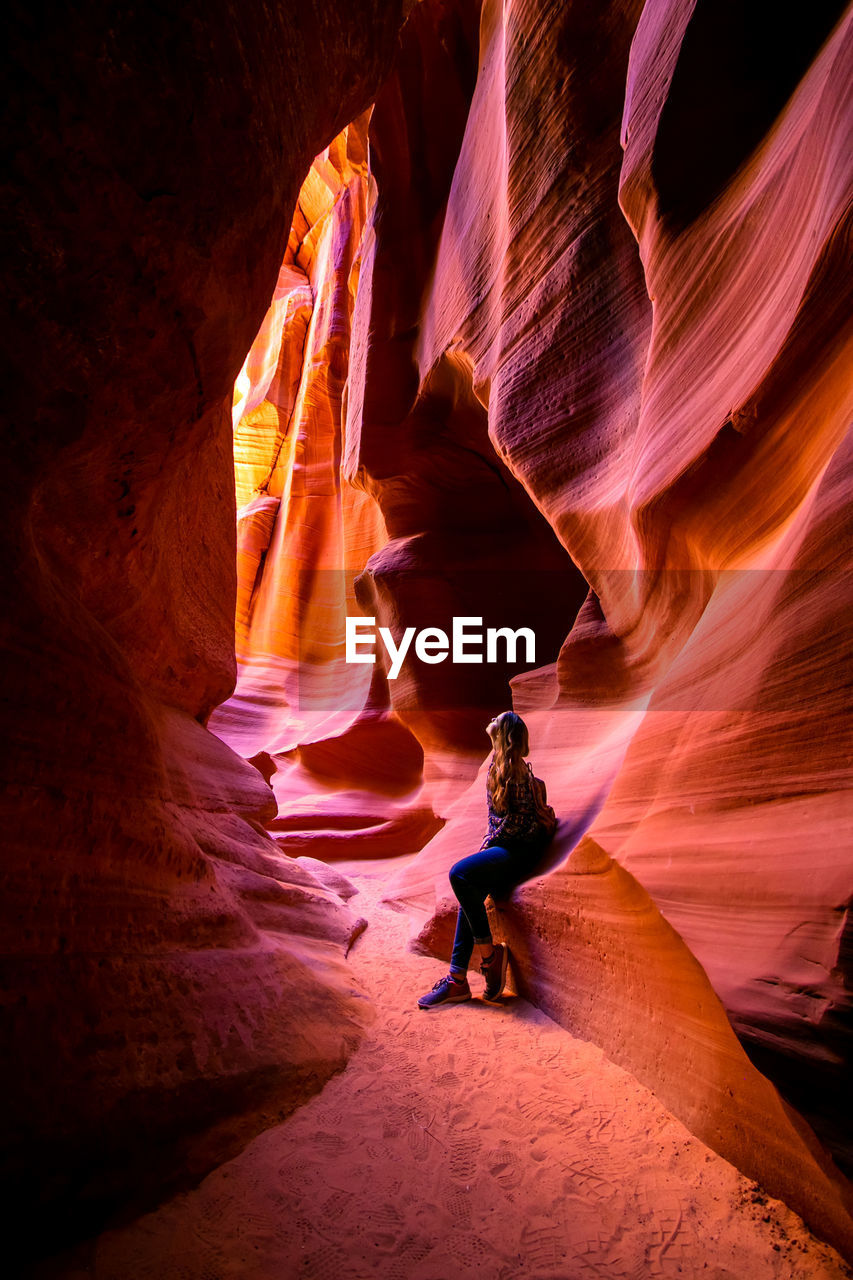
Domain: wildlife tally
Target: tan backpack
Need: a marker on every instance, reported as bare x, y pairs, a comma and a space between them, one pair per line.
546, 815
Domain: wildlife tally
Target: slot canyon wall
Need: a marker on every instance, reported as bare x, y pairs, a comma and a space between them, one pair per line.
170, 980
623, 296
561, 349
411, 520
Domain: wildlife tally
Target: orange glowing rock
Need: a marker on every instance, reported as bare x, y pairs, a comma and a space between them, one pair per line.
303, 536
353, 507
693, 455
571, 349
516, 405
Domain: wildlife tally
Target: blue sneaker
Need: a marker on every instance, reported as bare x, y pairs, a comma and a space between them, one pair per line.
446, 991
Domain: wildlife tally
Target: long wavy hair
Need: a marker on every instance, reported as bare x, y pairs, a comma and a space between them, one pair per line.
511, 743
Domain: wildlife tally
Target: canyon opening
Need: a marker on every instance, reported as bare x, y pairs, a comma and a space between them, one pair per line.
401, 394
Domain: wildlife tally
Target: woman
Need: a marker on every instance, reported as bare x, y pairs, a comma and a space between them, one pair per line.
513, 845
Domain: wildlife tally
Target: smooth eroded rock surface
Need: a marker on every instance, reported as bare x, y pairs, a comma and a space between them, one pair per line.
559, 337
167, 974
615, 404
667, 373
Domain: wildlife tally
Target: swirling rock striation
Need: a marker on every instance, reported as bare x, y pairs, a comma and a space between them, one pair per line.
564, 345
666, 371
167, 972
622, 372
365, 493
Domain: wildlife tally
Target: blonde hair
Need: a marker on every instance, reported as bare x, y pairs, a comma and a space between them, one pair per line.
511, 743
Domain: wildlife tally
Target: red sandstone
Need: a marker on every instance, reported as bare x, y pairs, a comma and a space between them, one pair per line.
560, 349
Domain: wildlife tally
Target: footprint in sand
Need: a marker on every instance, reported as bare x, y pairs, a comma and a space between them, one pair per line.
447, 1080
419, 1142
474, 1251
503, 1165
256, 1223
401, 1067
409, 1254
599, 1125
586, 1182
464, 1156
415, 1108
399, 1026
670, 1240
462, 1119
299, 1170
331, 1207
592, 1256
326, 1263
383, 1218
327, 1144
458, 1205
548, 1109
305, 1229
543, 1243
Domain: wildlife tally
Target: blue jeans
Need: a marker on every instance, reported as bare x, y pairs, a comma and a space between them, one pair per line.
495, 870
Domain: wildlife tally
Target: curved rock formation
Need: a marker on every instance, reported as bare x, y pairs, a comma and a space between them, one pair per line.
553, 348
346, 774
166, 970
373, 495
550, 323
690, 451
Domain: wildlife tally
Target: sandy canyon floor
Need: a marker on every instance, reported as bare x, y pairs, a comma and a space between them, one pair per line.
469, 1141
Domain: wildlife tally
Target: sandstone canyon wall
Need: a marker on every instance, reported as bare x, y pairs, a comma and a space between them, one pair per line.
623, 295
362, 492
559, 338
679, 406
167, 975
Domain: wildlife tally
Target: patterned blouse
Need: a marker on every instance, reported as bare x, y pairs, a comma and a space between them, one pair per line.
520, 822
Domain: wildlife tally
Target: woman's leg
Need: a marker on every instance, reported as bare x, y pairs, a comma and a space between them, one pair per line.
472, 880
463, 945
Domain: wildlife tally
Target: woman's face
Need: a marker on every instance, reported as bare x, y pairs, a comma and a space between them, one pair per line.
491, 728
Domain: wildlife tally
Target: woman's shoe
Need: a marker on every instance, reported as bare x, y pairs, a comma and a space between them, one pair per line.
494, 971
446, 991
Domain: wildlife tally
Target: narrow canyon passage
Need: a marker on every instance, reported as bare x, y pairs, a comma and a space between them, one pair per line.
471, 1141
435, 322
